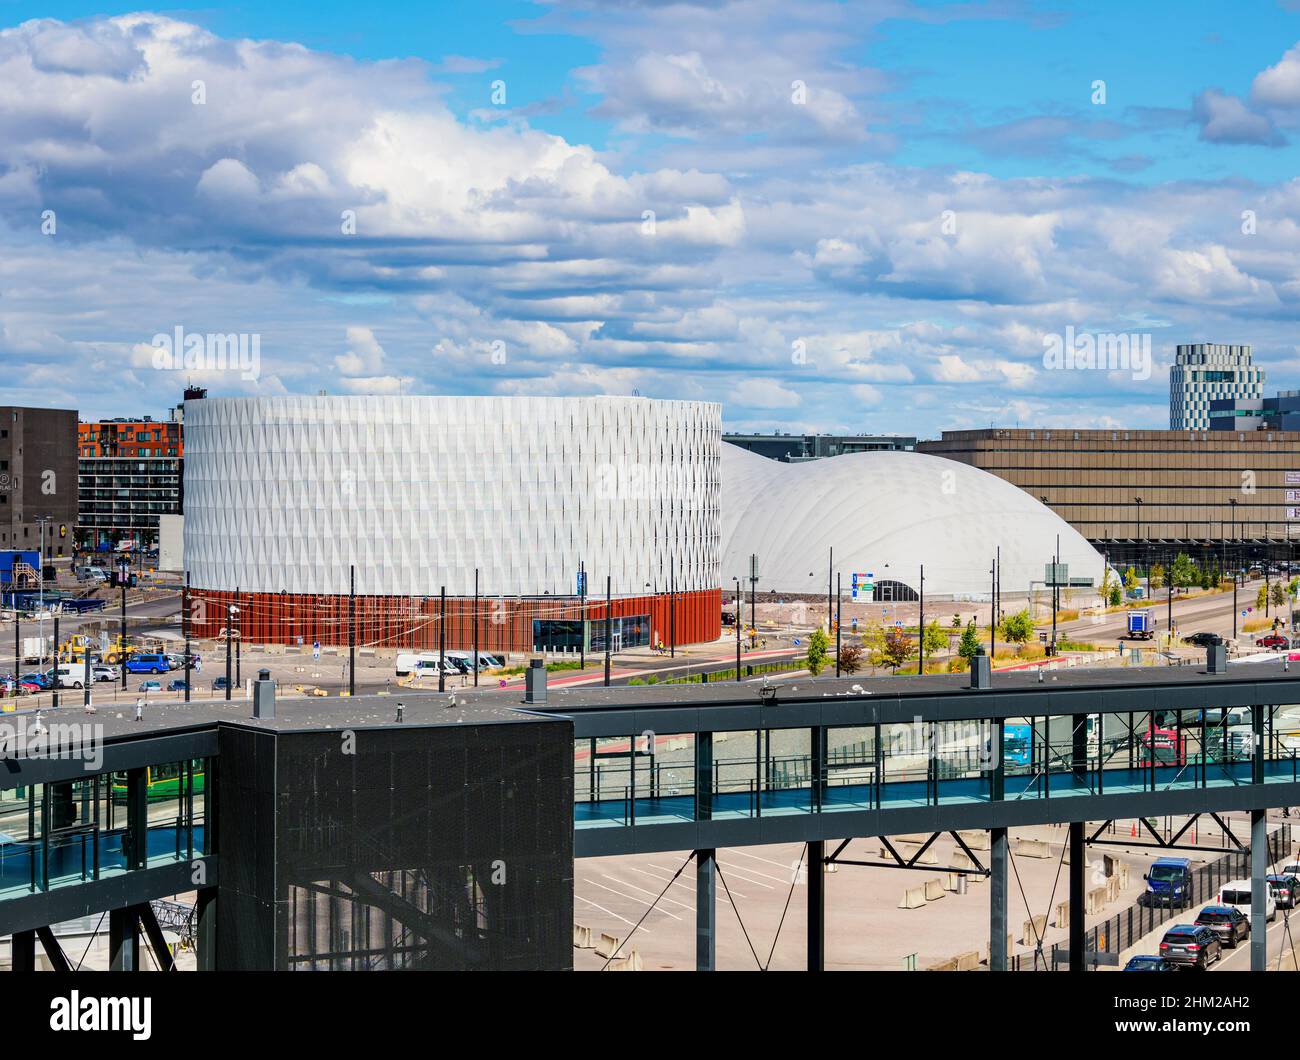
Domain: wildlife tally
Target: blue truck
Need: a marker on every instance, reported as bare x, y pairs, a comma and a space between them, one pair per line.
1141, 626
1169, 882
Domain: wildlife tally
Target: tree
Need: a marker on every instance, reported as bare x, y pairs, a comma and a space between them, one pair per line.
818, 651
956, 621
898, 648
1130, 580
1157, 576
873, 642
970, 641
851, 658
1279, 594
1017, 628
1184, 572
1261, 599
934, 639
1116, 595
1107, 585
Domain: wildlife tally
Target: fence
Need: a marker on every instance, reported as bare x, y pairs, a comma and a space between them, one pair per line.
1130, 925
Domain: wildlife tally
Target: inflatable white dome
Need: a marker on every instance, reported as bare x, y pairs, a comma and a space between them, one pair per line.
885, 514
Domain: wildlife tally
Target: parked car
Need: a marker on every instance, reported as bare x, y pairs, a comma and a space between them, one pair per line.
1203, 640
145, 663
27, 688
178, 685
1148, 963
219, 684
1273, 640
104, 672
150, 686
1286, 889
1191, 945
1226, 921
42, 681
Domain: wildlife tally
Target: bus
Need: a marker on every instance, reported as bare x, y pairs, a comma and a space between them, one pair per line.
1017, 742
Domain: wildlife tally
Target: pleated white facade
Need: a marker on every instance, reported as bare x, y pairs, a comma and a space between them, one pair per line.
886, 513
286, 493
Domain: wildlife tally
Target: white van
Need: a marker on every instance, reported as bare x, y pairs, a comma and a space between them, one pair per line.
1237, 893
70, 676
485, 661
422, 665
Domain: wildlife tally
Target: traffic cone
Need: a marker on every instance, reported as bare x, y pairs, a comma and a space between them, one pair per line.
1134, 831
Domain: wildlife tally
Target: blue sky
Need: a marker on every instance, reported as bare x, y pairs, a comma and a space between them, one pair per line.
867, 216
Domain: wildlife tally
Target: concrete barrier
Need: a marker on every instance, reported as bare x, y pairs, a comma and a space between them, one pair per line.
1033, 848
1123, 875
582, 937
274, 649
950, 965
951, 882
630, 963
1029, 936
913, 898
976, 839
907, 851
933, 889
915, 838
1110, 864
1062, 915
607, 946
1112, 889
968, 961
1011, 945
1096, 899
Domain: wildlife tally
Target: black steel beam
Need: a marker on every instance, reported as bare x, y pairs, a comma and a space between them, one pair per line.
1076, 896
58, 959
123, 940
817, 906
153, 933
706, 920
22, 952
998, 859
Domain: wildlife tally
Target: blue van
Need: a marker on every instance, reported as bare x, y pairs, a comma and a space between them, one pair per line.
1169, 882
147, 664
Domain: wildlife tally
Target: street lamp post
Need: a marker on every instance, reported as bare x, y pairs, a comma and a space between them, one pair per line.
123, 576
839, 601
920, 629
231, 610
740, 608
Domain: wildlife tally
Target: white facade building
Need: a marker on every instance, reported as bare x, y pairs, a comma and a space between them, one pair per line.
884, 514
284, 494
1205, 372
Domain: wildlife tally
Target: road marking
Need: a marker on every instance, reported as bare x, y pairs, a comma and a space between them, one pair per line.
652, 894
629, 923
629, 897
741, 870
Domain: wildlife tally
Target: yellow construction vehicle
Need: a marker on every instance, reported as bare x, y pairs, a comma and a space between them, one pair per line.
76, 646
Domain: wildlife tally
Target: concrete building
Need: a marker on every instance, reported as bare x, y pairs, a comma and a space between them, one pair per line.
38, 479
793, 448
1124, 490
501, 502
1206, 372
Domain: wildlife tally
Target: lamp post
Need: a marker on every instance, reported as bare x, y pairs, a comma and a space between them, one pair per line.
920, 629
231, 611
740, 608
1138, 537
839, 603
123, 576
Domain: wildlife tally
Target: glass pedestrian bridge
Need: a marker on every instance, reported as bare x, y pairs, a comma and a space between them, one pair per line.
71, 832
642, 765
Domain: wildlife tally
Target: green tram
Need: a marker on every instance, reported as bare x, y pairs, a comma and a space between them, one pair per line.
165, 781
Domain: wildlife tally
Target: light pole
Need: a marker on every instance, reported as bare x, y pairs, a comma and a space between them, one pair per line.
920, 629
839, 601
231, 611
123, 576
740, 607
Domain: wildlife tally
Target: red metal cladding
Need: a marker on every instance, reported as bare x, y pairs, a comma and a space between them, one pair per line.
505, 623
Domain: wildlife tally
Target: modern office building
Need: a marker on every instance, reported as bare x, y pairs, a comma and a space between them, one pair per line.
1125, 490
38, 479
1280, 413
793, 448
1205, 372
883, 516
132, 473
527, 512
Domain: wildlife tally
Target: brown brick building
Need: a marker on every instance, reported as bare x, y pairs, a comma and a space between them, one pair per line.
1121, 488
